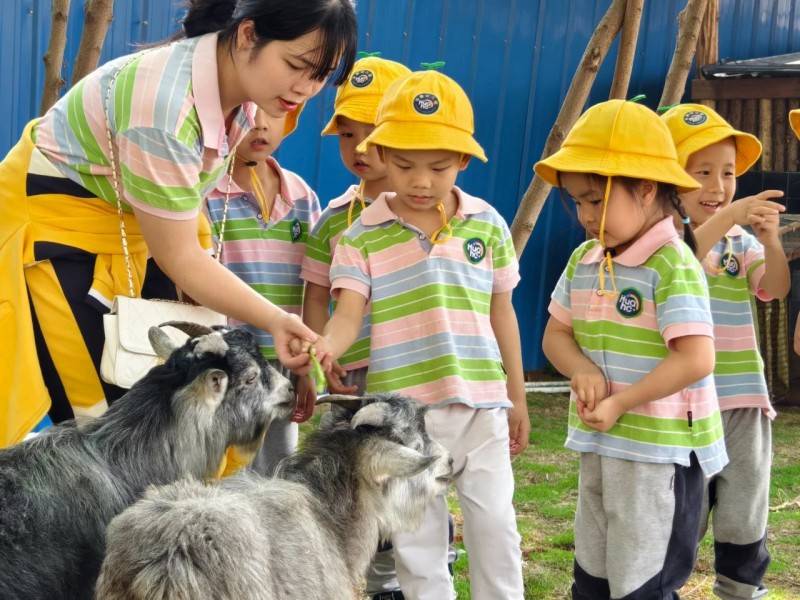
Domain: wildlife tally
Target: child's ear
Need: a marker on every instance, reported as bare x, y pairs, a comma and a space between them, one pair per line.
465, 158
648, 190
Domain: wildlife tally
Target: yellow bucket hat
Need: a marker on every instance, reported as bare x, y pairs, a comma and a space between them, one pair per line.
358, 98
794, 121
694, 127
426, 111
618, 138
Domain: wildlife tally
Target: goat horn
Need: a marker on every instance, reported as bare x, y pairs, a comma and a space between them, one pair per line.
347, 402
190, 329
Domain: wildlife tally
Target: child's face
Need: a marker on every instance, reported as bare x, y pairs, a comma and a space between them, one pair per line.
714, 167
263, 139
423, 178
628, 215
364, 165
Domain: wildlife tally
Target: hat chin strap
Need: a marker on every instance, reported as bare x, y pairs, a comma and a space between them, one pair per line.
437, 236
606, 263
358, 196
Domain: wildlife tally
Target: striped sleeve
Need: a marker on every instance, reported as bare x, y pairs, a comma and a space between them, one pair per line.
350, 269
505, 268
560, 302
754, 265
681, 295
161, 175
317, 260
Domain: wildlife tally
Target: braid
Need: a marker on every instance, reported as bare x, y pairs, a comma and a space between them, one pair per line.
688, 233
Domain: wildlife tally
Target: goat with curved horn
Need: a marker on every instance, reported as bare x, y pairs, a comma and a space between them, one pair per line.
351, 403
190, 329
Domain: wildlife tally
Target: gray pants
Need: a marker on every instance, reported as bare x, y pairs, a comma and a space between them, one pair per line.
635, 528
737, 499
281, 438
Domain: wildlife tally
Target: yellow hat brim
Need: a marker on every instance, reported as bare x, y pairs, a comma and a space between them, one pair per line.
794, 121
423, 136
574, 159
748, 148
363, 112
292, 120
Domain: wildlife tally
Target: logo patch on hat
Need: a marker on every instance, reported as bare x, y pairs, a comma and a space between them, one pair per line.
730, 264
475, 250
297, 230
426, 104
362, 79
629, 303
695, 117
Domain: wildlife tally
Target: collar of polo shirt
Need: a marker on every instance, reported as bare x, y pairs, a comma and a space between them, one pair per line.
379, 211
636, 254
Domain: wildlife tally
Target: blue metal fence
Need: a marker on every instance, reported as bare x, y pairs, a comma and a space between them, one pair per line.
515, 58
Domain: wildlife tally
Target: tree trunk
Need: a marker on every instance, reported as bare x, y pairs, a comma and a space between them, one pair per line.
708, 42
627, 49
690, 20
54, 59
97, 18
531, 204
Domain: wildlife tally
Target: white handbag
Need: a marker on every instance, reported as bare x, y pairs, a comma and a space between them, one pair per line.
127, 353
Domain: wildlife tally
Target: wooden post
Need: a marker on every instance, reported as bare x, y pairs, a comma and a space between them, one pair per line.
627, 49
736, 113
708, 40
780, 139
690, 19
54, 58
531, 204
765, 132
97, 18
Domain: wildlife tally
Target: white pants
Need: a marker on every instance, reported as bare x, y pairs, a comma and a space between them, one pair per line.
478, 441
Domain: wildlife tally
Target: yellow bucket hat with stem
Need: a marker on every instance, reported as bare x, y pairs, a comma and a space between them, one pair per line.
694, 127
794, 121
358, 97
427, 111
617, 138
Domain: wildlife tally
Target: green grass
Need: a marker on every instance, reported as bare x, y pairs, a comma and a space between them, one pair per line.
546, 491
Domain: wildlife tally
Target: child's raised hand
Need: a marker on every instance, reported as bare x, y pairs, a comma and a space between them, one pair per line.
767, 228
753, 209
590, 386
605, 414
335, 380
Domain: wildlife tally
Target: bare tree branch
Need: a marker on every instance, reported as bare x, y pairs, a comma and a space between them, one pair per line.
97, 18
531, 204
690, 20
627, 49
54, 59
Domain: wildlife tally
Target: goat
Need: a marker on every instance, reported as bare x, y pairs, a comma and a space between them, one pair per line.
59, 490
309, 532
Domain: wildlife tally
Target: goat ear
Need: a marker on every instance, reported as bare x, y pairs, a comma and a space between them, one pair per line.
395, 460
375, 414
161, 342
216, 384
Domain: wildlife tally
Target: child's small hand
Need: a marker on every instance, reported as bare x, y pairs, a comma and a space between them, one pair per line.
590, 386
753, 209
335, 379
605, 414
306, 400
519, 428
767, 229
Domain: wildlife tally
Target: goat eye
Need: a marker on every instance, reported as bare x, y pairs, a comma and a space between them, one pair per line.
251, 379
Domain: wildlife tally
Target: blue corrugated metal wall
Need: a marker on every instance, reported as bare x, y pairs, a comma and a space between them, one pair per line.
515, 58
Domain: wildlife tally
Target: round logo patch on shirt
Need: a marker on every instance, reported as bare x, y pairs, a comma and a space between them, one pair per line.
475, 250
730, 264
362, 79
695, 117
629, 303
426, 104
297, 230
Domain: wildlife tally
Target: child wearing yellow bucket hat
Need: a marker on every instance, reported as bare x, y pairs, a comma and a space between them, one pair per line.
355, 113
739, 265
438, 267
630, 325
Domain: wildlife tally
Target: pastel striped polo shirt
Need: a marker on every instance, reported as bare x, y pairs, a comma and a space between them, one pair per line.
267, 254
662, 296
431, 336
739, 371
319, 256
167, 123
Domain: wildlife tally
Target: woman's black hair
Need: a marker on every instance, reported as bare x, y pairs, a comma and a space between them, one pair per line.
283, 20
667, 194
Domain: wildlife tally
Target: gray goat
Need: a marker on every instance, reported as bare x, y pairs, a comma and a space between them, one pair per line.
309, 532
59, 490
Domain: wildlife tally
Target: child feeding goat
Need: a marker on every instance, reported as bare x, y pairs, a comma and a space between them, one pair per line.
310, 532
58, 491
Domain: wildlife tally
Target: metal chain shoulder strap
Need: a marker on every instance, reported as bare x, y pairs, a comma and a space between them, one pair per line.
116, 174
